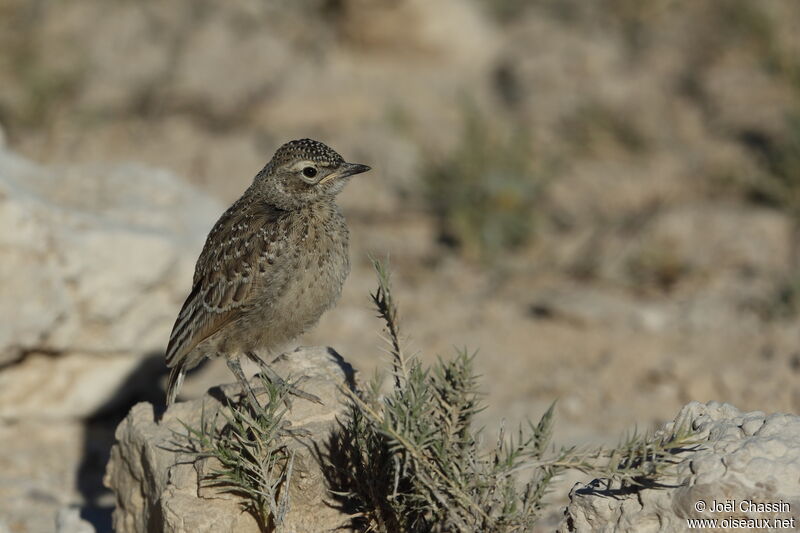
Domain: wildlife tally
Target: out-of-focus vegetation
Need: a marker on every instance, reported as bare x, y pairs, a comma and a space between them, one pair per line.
484, 193
627, 75
691, 101
779, 182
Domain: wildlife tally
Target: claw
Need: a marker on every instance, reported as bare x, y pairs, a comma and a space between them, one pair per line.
236, 368
295, 432
277, 380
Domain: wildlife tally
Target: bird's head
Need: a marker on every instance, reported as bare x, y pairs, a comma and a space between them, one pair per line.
304, 171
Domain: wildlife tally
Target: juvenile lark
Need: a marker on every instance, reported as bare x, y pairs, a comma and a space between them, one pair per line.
272, 264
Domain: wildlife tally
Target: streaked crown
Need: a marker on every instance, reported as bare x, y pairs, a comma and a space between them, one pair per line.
307, 149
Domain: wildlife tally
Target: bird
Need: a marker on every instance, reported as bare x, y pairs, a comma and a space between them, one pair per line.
273, 263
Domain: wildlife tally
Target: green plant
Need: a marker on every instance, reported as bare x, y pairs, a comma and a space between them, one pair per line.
782, 302
595, 127
251, 459
750, 24
484, 192
505, 11
779, 183
411, 460
657, 264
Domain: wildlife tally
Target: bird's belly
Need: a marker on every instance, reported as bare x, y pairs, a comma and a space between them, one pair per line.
308, 293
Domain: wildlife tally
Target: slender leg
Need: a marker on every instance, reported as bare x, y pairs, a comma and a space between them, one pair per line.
276, 379
236, 368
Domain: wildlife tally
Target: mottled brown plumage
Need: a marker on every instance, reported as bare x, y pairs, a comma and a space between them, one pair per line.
272, 264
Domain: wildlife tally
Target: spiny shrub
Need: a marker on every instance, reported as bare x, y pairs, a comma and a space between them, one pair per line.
411, 460
251, 458
484, 192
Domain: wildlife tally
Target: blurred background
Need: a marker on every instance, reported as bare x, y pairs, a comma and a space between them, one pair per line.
600, 197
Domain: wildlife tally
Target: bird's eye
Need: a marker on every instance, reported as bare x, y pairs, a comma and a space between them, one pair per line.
309, 172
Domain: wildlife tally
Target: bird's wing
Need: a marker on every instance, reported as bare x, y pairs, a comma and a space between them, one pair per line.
240, 248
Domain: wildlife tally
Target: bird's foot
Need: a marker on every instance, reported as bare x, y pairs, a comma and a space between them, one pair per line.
291, 389
236, 368
286, 429
276, 380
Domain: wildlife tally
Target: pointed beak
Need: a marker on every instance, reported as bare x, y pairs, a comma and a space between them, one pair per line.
348, 169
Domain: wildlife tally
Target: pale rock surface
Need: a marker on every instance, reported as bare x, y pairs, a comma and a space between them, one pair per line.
96, 262
157, 485
68, 520
742, 456
39, 475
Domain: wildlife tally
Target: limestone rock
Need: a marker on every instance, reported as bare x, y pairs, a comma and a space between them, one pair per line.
42, 463
68, 520
156, 484
744, 458
96, 262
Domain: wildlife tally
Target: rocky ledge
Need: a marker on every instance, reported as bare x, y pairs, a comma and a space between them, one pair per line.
746, 470
156, 481
740, 457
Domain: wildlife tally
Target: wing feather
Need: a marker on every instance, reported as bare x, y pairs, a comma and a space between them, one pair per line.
236, 252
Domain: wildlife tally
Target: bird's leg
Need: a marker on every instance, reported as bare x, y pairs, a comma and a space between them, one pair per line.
285, 429
236, 368
275, 379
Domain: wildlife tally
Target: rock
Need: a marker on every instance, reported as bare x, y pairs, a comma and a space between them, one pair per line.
96, 262
156, 484
689, 243
69, 385
207, 78
583, 306
68, 520
743, 458
705, 240
451, 29
42, 465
